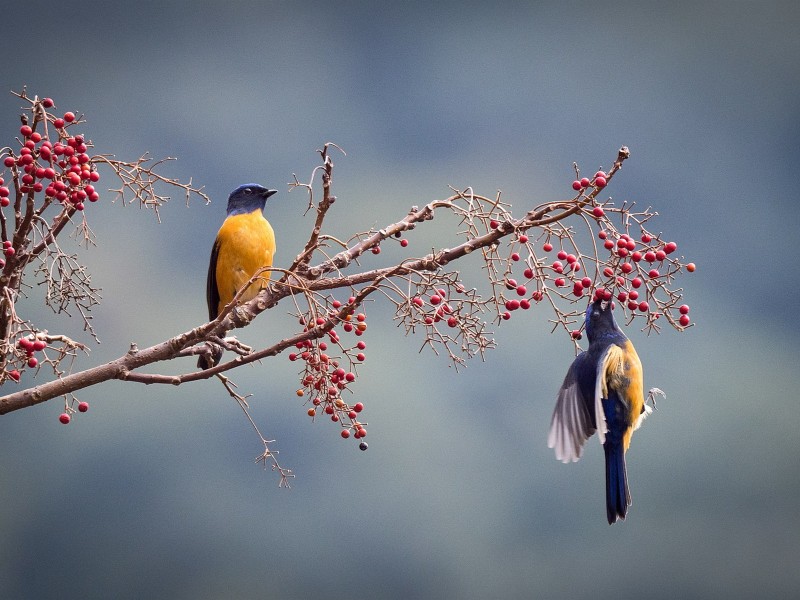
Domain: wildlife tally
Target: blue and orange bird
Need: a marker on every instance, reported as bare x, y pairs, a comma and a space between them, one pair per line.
245, 243
604, 392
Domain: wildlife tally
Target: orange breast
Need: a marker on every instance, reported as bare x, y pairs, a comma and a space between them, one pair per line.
246, 244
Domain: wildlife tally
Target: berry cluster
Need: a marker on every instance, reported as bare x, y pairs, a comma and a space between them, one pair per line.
66, 417
637, 273
61, 166
324, 379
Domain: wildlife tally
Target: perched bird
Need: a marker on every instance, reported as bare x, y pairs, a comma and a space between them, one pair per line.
245, 243
604, 392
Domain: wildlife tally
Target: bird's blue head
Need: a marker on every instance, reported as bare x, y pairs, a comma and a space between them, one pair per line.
248, 198
600, 321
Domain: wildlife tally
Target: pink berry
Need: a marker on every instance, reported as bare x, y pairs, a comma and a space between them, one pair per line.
644, 306
64, 418
561, 255
25, 130
32, 362
636, 282
435, 299
633, 295
684, 309
14, 374
58, 123
560, 282
585, 182
360, 357
83, 406
521, 290
684, 320
524, 304
670, 247
646, 238
506, 316
661, 255
523, 239
636, 256
626, 267
586, 282
652, 273
598, 212
69, 117
528, 273
600, 182
547, 247
576, 185
9, 161
515, 256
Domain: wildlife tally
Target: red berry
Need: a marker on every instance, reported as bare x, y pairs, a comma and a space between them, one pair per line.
602, 234
547, 247
64, 418
644, 306
684, 320
506, 316
403, 243
646, 238
69, 117
9, 161
345, 433
636, 256
597, 212
636, 282
691, 267
524, 304
622, 296
528, 273
626, 267
25, 130
632, 305
435, 299
515, 256
576, 185
661, 255
32, 362
670, 247
9, 251
36, 137
576, 335
600, 182
14, 374
83, 406
521, 290
494, 224
561, 255
536, 296
652, 273
360, 357
650, 256
560, 282
358, 407
361, 345
586, 282
452, 321
58, 123
608, 271
684, 309
608, 244
585, 181
600, 174
633, 295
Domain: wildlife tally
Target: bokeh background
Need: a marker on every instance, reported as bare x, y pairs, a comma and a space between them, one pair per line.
154, 494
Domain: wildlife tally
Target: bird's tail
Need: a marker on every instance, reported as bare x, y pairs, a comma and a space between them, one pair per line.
618, 496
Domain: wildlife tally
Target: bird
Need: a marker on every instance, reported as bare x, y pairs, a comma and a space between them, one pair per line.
603, 391
244, 244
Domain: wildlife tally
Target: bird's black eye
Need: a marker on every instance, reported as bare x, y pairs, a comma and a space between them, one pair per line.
248, 191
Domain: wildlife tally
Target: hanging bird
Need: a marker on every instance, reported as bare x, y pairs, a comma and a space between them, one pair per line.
245, 243
604, 392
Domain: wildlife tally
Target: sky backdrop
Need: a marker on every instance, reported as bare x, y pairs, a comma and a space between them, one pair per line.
154, 494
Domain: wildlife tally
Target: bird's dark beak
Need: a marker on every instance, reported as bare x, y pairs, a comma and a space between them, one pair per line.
269, 193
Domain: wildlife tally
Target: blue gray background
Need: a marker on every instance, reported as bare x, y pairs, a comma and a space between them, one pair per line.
153, 493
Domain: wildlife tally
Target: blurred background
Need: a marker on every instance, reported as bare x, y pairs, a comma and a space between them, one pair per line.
154, 493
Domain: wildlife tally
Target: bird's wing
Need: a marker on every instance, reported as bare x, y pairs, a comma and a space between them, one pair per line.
571, 424
212, 291
609, 368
